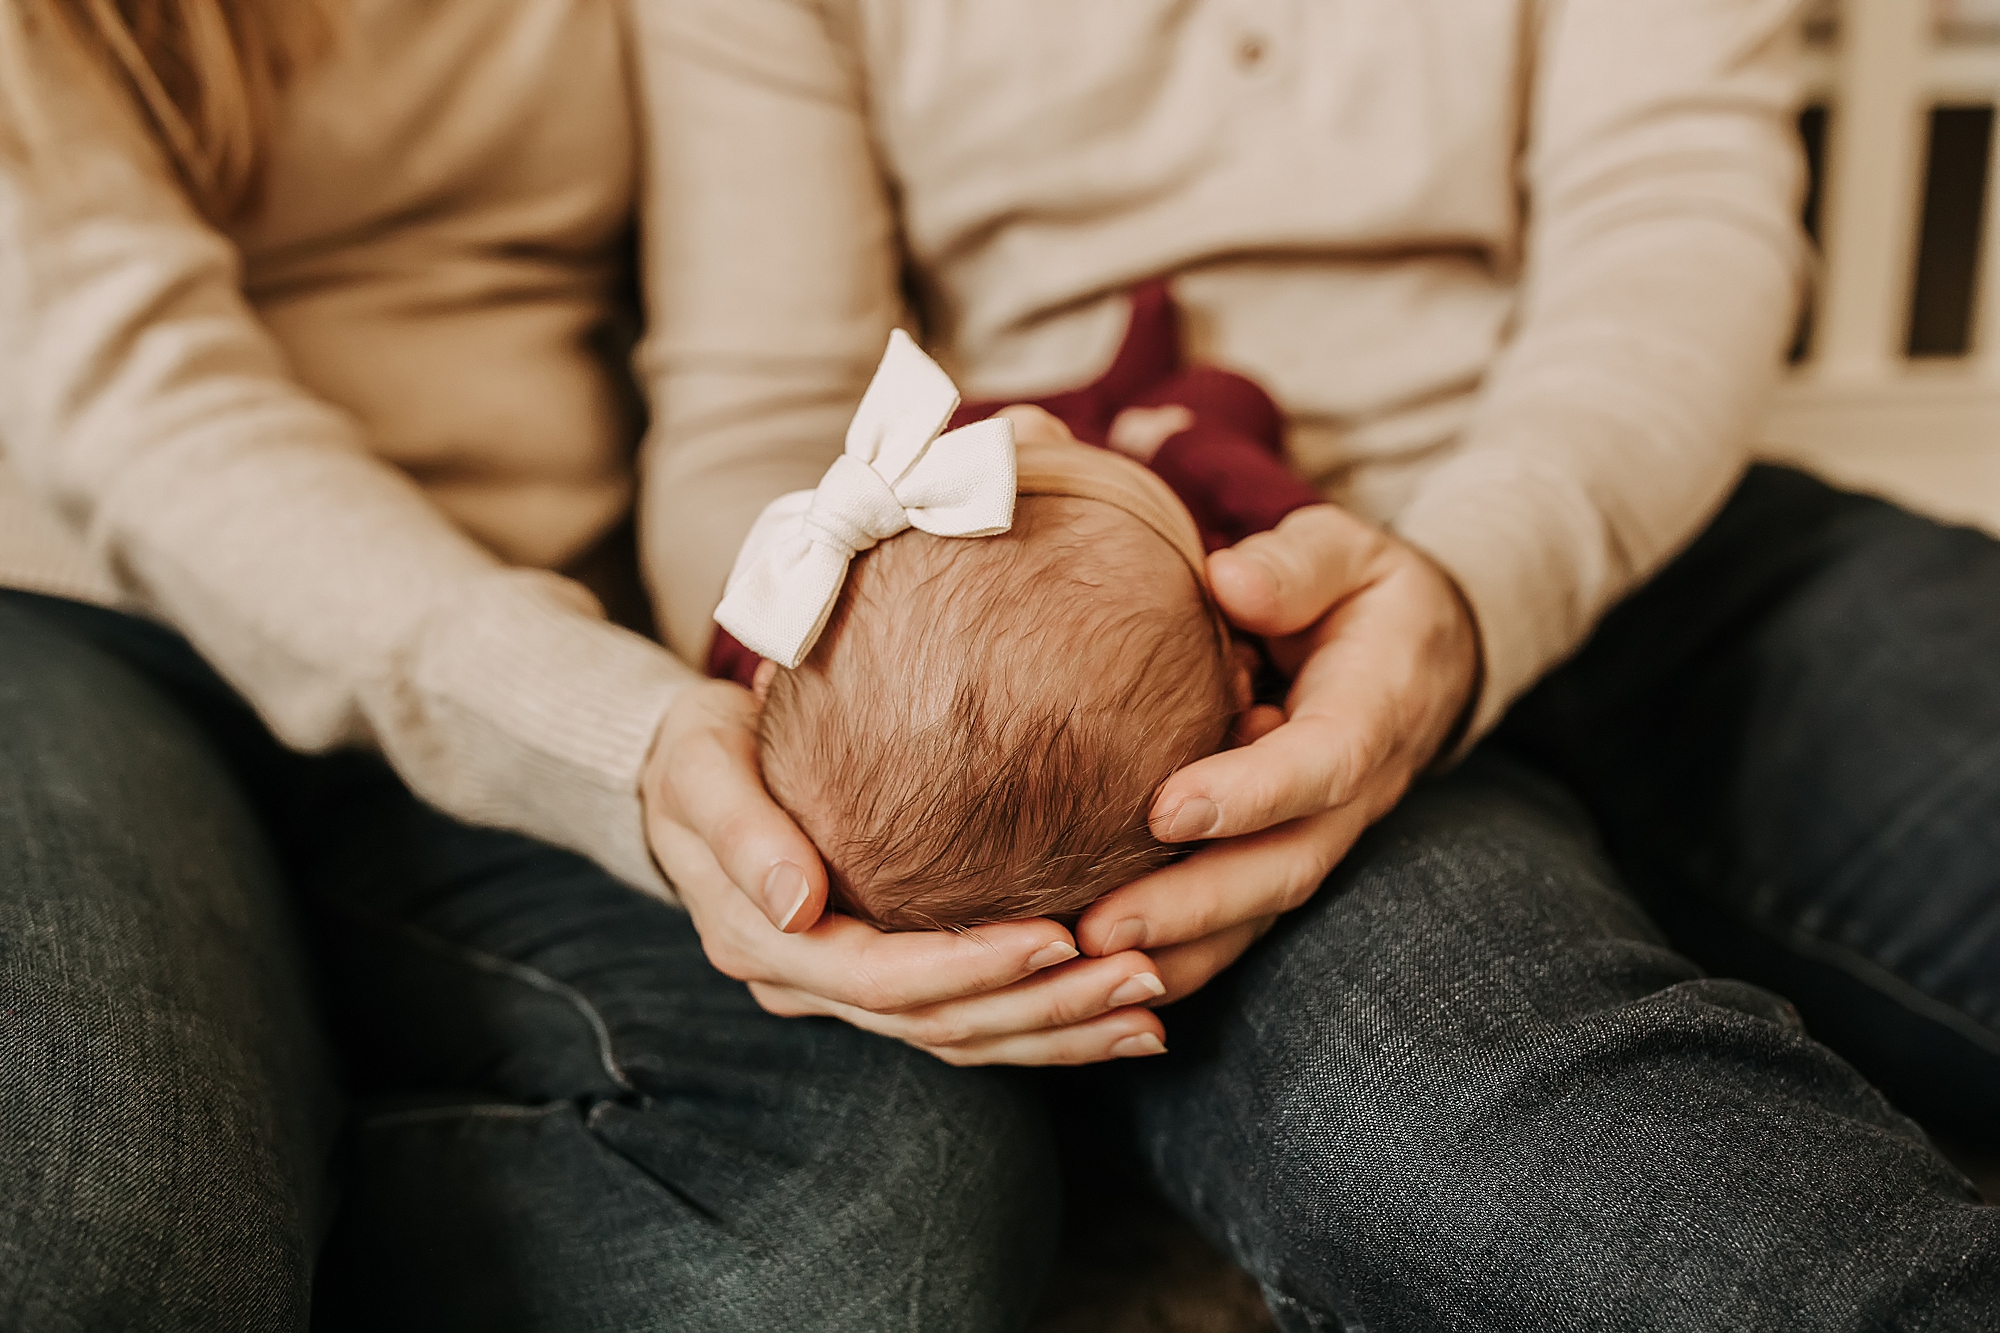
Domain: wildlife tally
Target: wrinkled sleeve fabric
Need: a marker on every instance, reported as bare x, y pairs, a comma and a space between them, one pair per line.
144, 403
772, 275
1663, 264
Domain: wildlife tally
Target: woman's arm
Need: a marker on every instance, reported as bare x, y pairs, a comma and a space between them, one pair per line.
1662, 272
143, 401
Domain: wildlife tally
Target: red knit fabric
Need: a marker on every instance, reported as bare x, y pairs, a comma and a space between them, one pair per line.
1229, 467
730, 660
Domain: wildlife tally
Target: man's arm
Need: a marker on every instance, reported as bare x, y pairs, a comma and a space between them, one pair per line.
1663, 268
1662, 277
772, 262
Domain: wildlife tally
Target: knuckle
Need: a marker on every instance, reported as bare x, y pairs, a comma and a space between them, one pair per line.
773, 1002
732, 832
871, 991
941, 1030
1303, 878
1276, 800
1204, 920
1067, 1011
1299, 891
1348, 768
950, 1055
728, 960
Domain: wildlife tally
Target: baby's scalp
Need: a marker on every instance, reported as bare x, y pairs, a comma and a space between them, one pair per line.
980, 730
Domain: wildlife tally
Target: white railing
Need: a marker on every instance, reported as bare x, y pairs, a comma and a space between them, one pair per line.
1857, 407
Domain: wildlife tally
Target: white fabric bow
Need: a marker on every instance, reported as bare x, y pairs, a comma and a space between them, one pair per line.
897, 472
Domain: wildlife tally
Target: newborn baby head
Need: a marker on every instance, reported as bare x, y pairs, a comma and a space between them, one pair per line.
980, 730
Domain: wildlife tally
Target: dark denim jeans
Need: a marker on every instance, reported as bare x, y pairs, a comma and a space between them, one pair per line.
1473, 1085
561, 1116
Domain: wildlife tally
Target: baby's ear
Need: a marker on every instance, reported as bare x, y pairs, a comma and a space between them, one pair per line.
1242, 679
760, 681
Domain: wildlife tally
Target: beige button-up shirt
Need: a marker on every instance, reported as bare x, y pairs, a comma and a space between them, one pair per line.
1519, 271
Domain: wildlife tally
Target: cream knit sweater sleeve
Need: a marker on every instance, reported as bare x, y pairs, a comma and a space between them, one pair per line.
1662, 181
141, 398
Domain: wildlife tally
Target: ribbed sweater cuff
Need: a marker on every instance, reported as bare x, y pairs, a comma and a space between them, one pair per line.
553, 712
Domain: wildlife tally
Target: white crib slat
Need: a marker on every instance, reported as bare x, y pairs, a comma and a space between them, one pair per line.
1873, 189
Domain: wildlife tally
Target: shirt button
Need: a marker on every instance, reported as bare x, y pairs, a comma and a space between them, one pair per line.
1250, 51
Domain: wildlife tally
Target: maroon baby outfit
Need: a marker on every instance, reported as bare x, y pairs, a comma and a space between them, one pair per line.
1228, 467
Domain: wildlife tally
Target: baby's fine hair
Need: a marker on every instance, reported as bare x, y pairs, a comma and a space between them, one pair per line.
979, 733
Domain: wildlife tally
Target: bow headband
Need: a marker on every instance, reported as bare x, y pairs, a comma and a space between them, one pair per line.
896, 472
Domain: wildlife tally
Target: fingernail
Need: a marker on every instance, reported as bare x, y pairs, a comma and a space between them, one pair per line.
785, 892
1127, 934
1196, 817
1139, 986
1139, 1043
1056, 951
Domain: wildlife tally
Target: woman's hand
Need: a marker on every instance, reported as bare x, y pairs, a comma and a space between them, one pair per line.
1014, 993
1384, 659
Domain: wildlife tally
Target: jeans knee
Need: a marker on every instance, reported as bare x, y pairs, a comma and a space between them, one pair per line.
951, 1205
1458, 1175
872, 1189
167, 1230
161, 1082
163, 1158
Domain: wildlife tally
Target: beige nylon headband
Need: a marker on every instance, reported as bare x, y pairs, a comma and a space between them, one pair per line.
1047, 464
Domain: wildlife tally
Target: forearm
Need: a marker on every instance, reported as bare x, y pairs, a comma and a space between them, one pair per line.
771, 270
1662, 278
142, 401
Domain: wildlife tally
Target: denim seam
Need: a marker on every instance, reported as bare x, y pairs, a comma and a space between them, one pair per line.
610, 1146
1872, 974
1914, 808
482, 1110
1274, 1295
521, 972
1867, 856
506, 1111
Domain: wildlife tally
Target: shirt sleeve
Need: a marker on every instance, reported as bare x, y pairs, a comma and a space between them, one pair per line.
1662, 271
772, 274
145, 404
